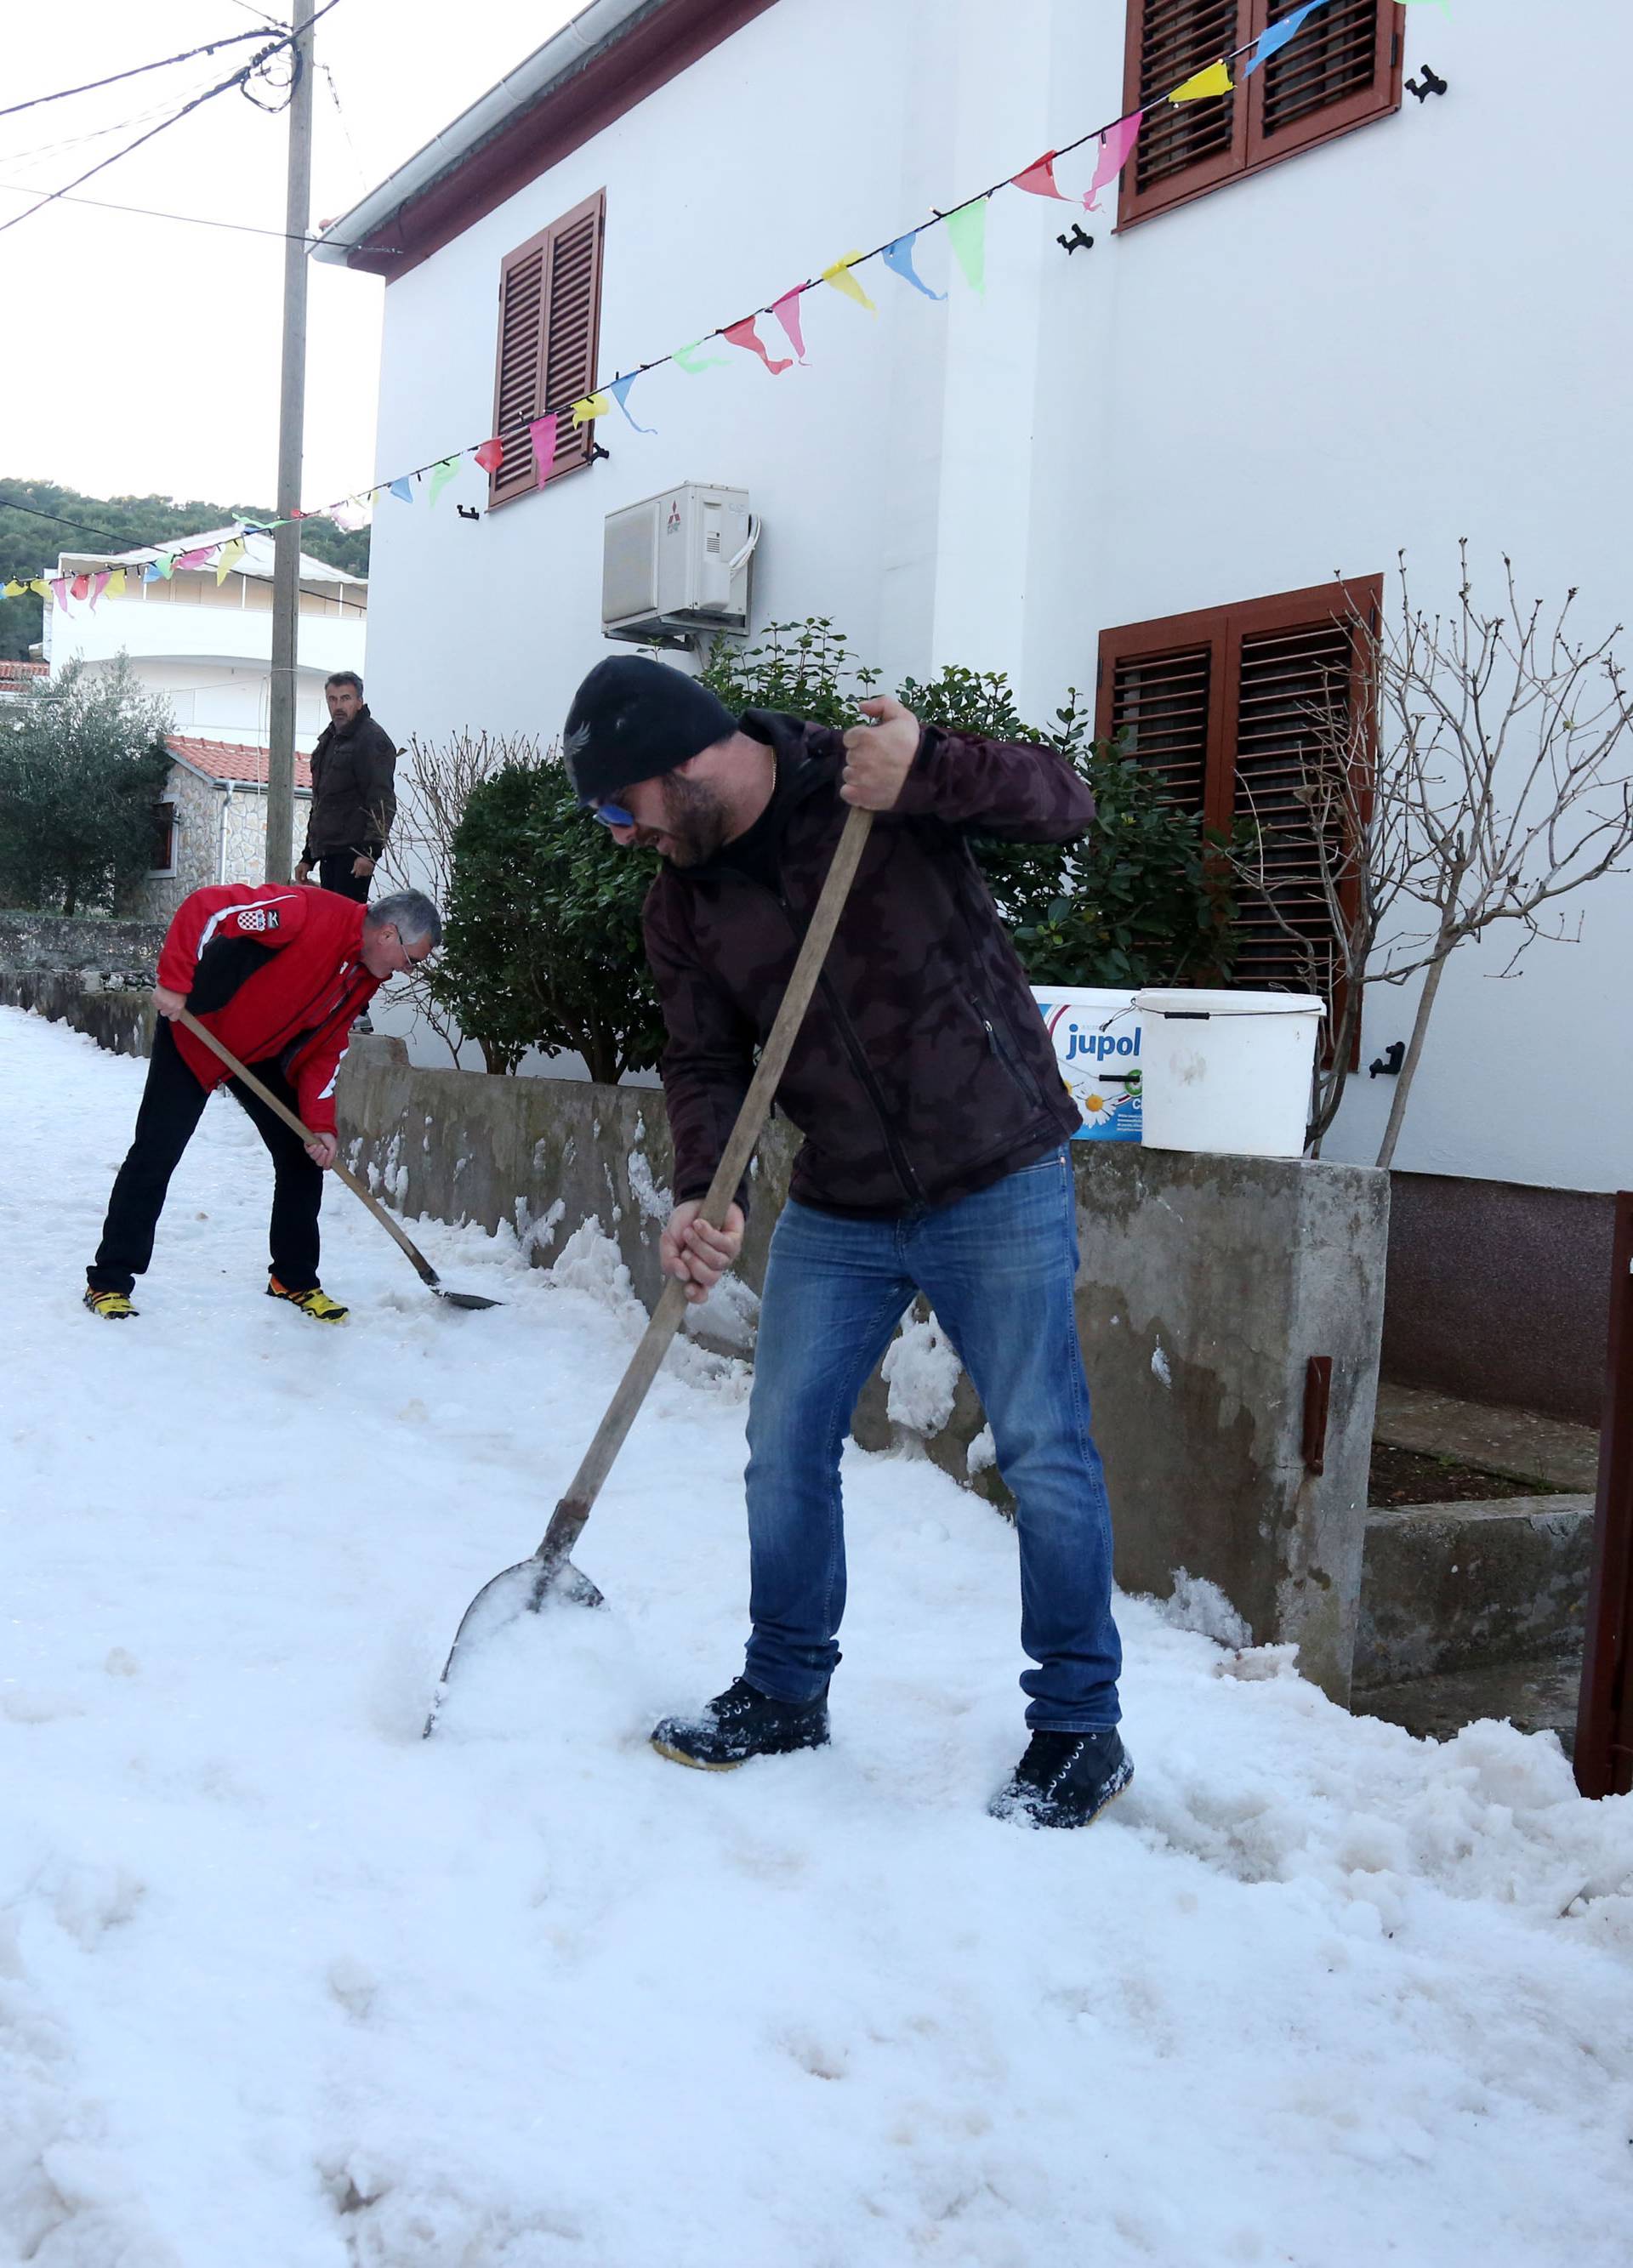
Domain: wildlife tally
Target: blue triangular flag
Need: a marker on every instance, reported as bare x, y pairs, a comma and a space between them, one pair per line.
154, 574
1278, 35
619, 390
403, 488
899, 258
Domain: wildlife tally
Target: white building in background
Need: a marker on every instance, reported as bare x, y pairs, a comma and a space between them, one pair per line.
206, 645
1333, 315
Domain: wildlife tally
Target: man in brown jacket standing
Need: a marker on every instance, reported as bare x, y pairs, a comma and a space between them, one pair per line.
353, 793
935, 1159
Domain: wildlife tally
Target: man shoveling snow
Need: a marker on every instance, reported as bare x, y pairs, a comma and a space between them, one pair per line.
935, 1160
279, 974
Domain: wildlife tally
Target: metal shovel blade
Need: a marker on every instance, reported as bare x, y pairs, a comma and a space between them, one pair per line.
464, 1299
524, 1589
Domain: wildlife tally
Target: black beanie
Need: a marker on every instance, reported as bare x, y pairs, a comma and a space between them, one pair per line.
632, 719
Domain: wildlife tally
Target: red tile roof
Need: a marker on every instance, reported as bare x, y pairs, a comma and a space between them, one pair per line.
229, 759
24, 669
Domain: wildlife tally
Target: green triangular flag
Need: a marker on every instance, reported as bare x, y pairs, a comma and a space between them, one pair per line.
966, 231
441, 475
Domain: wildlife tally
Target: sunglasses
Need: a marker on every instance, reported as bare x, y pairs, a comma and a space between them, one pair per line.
611, 814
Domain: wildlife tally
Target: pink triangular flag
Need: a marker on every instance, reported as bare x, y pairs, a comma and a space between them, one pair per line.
542, 433
59, 591
786, 310
1115, 143
99, 584
1039, 177
744, 335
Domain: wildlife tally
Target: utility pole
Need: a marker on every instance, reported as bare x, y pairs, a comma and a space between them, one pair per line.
290, 436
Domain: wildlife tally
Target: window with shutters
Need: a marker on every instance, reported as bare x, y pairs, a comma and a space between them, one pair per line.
1228, 709
1340, 70
549, 338
162, 853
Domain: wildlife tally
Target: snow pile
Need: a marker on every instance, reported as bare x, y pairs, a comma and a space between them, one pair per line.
921, 1369
283, 1984
1196, 1604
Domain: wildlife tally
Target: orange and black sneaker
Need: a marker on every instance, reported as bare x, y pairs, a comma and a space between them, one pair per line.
113, 1306
315, 1303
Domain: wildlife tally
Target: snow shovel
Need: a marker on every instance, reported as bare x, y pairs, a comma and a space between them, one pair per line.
427, 1274
549, 1574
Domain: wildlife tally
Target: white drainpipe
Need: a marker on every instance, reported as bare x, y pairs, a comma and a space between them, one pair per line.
226, 805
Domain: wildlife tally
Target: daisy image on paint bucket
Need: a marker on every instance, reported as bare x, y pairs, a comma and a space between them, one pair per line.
1096, 1107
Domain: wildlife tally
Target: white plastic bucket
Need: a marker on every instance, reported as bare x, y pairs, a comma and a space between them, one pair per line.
1229, 1070
1098, 1042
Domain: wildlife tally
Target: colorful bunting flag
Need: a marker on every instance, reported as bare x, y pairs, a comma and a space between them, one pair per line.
1038, 179
1216, 79
966, 233
441, 475
199, 557
402, 487
15, 590
59, 591
490, 455
838, 274
99, 584
744, 335
620, 392
542, 433
898, 258
1115, 143
593, 406
786, 310
80, 587
694, 364
1277, 36
231, 554
41, 585
116, 583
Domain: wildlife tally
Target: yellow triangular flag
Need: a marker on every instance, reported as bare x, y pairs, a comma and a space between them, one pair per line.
1216, 79
593, 405
231, 554
115, 584
41, 585
15, 590
839, 275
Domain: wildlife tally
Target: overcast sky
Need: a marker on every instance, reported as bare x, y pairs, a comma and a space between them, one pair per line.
142, 354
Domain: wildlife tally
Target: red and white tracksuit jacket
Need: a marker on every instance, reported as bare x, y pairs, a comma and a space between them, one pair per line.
299, 1006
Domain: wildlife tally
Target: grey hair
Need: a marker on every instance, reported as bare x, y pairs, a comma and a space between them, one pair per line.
345, 677
412, 913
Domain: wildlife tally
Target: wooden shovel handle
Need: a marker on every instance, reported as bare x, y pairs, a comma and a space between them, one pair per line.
359, 1190
574, 1508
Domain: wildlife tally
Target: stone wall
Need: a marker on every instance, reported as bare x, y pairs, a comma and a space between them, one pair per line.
99, 949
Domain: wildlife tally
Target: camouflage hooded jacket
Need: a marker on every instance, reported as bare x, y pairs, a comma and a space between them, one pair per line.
922, 1072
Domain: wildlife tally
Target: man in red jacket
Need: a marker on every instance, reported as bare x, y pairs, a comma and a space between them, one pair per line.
279, 974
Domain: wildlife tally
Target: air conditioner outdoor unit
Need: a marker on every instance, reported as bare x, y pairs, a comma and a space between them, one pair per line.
677, 565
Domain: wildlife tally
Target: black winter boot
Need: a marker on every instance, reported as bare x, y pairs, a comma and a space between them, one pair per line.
1065, 1779
741, 1723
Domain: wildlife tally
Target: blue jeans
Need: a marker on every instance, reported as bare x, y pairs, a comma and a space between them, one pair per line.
998, 1268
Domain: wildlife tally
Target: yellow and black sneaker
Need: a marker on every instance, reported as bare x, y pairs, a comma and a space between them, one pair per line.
315, 1303
113, 1306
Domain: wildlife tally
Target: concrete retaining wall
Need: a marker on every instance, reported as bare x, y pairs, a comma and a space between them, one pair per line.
1206, 1285
66, 941
1454, 1586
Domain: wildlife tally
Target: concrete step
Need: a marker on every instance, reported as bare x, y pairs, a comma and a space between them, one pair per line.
1538, 1694
1450, 1587
1519, 1443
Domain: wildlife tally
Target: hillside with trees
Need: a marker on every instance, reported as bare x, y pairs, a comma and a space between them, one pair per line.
30, 542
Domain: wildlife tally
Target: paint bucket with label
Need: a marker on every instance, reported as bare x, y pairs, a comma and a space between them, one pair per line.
1098, 1042
1229, 1070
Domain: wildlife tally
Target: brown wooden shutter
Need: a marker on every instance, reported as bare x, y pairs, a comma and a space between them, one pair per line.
1340, 70
549, 338
1293, 694
1225, 706
1158, 715
1194, 142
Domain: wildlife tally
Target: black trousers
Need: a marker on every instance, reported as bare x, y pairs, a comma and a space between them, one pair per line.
335, 874
173, 1103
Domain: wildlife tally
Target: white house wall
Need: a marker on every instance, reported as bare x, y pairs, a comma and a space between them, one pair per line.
1414, 332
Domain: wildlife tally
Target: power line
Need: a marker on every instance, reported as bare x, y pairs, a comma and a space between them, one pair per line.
192, 220
238, 79
230, 40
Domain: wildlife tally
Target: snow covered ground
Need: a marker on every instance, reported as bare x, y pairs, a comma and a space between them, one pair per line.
284, 1986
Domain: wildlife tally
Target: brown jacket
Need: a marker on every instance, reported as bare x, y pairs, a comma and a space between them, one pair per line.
922, 1072
353, 790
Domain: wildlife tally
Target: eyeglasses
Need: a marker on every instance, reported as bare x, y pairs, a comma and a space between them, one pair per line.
611, 814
